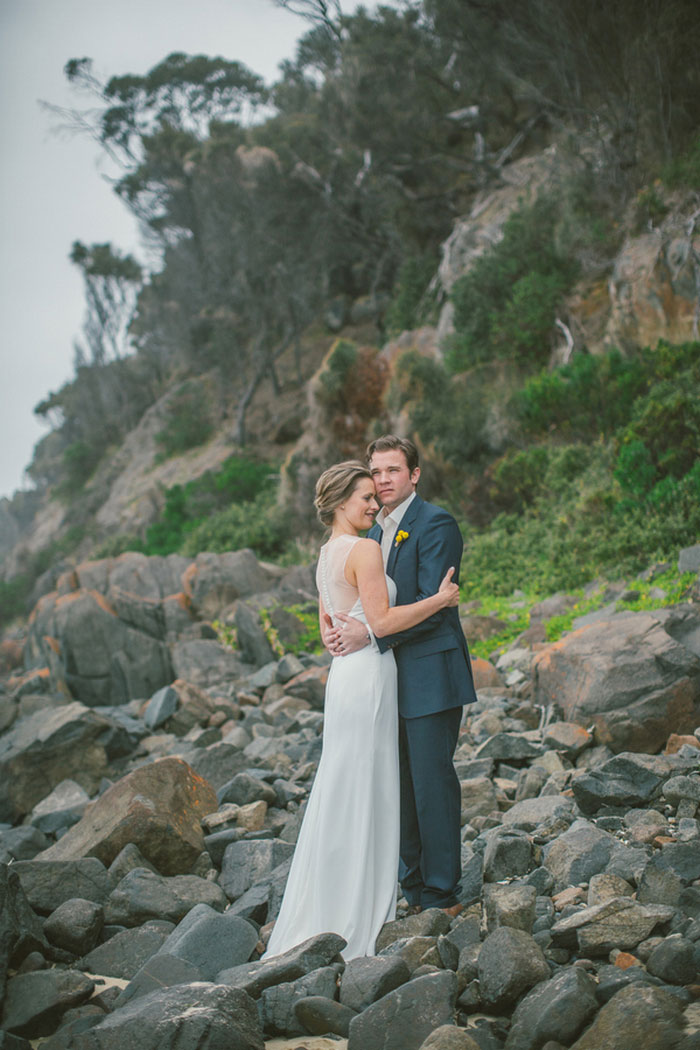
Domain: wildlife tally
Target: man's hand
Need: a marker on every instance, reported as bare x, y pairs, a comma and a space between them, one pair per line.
330, 634
353, 636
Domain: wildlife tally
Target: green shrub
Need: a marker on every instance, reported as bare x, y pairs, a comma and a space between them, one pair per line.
448, 412
116, 545
635, 470
684, 171
14, 598
505, 305
411, 304
239, 481
187, 424
650, 209
258, 524
582, 524
519, 477
667, 421
79, 461
592, 395
342, 357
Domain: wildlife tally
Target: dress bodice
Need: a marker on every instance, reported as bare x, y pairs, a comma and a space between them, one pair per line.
337, 594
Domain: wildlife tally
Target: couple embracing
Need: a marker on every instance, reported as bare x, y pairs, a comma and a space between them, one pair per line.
386, 797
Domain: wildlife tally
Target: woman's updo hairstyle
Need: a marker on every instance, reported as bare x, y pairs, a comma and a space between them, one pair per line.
335, 485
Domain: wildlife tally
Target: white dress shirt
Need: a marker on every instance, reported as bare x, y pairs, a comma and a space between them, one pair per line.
389, 522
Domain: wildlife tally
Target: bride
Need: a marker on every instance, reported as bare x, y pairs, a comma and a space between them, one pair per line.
344, 870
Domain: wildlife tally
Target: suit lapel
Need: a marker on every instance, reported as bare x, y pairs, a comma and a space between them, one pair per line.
406, 524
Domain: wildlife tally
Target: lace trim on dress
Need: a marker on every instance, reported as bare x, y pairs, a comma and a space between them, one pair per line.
323, 579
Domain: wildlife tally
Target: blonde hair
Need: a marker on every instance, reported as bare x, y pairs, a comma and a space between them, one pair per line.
337, 484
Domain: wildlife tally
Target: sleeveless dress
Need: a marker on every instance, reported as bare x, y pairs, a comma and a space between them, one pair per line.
344, 871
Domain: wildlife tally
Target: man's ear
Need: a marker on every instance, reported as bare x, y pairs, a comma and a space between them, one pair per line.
415, 474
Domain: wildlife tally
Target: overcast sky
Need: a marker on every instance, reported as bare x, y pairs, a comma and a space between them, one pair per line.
53, 188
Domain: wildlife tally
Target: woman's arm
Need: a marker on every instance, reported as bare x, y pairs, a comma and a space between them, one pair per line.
364, 569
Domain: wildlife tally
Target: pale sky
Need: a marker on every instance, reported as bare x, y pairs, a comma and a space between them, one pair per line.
53, 189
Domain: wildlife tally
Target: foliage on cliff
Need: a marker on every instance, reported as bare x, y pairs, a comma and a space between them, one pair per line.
262, 207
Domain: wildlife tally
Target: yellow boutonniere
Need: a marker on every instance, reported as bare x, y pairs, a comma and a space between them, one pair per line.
400, 537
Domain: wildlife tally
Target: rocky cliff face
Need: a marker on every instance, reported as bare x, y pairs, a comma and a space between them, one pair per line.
649, 291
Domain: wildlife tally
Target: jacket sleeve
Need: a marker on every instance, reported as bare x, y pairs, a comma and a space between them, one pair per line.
439, 547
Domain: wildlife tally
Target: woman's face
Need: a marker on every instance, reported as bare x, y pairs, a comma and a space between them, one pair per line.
361, 506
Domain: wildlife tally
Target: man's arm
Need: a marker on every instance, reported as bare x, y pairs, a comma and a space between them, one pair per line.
440, 547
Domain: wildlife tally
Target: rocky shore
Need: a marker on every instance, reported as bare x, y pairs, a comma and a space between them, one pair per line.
153, 781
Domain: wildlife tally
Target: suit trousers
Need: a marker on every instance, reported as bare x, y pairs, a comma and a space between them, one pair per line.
430, 866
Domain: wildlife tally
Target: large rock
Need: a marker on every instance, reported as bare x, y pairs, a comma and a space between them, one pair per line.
313, 954
277, 1003
404, 1018
158, 808
198, 1016
556, 1009
61, 809
652, 288
367, 979
35, 1002
211, 941
49, 883
628, 779
510, 962
101, 658
617, 923
627, 676
206, 663
640, 1017
124, 954
246, 863
579, 853
75, 925
46, 748
20, 929
141, 895
214, 581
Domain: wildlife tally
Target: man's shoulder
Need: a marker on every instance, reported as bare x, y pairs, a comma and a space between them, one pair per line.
432, 512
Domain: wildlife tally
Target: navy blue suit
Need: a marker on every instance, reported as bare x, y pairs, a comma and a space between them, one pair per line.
434, 681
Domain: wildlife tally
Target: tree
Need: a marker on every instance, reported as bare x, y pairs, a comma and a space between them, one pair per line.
112, 283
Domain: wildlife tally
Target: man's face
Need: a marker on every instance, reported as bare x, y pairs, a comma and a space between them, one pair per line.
393, 480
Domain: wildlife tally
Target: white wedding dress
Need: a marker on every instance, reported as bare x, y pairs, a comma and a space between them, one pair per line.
345, 867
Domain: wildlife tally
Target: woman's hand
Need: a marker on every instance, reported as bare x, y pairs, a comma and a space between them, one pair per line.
449, 590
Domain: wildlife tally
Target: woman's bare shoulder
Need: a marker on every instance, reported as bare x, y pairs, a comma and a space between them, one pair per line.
366, 549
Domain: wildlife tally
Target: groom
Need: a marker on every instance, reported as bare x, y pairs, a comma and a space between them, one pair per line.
419, 543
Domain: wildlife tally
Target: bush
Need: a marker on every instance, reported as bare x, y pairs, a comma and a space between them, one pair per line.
667, 422
14, 597
239, 481
79, 461
411, 304
258, 524
187, 424
683, 172
448, 412
505, 305
591, 396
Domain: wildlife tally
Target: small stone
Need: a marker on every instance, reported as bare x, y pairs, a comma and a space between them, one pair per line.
75, 925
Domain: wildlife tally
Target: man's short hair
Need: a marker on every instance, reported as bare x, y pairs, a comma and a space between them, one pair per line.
393, 443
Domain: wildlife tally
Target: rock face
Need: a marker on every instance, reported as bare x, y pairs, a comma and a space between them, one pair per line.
48, 747
581, 867
102, 658
106, 633
626, 676
159, 808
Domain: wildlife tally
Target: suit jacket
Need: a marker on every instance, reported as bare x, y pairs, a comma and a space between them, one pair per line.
434, 670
